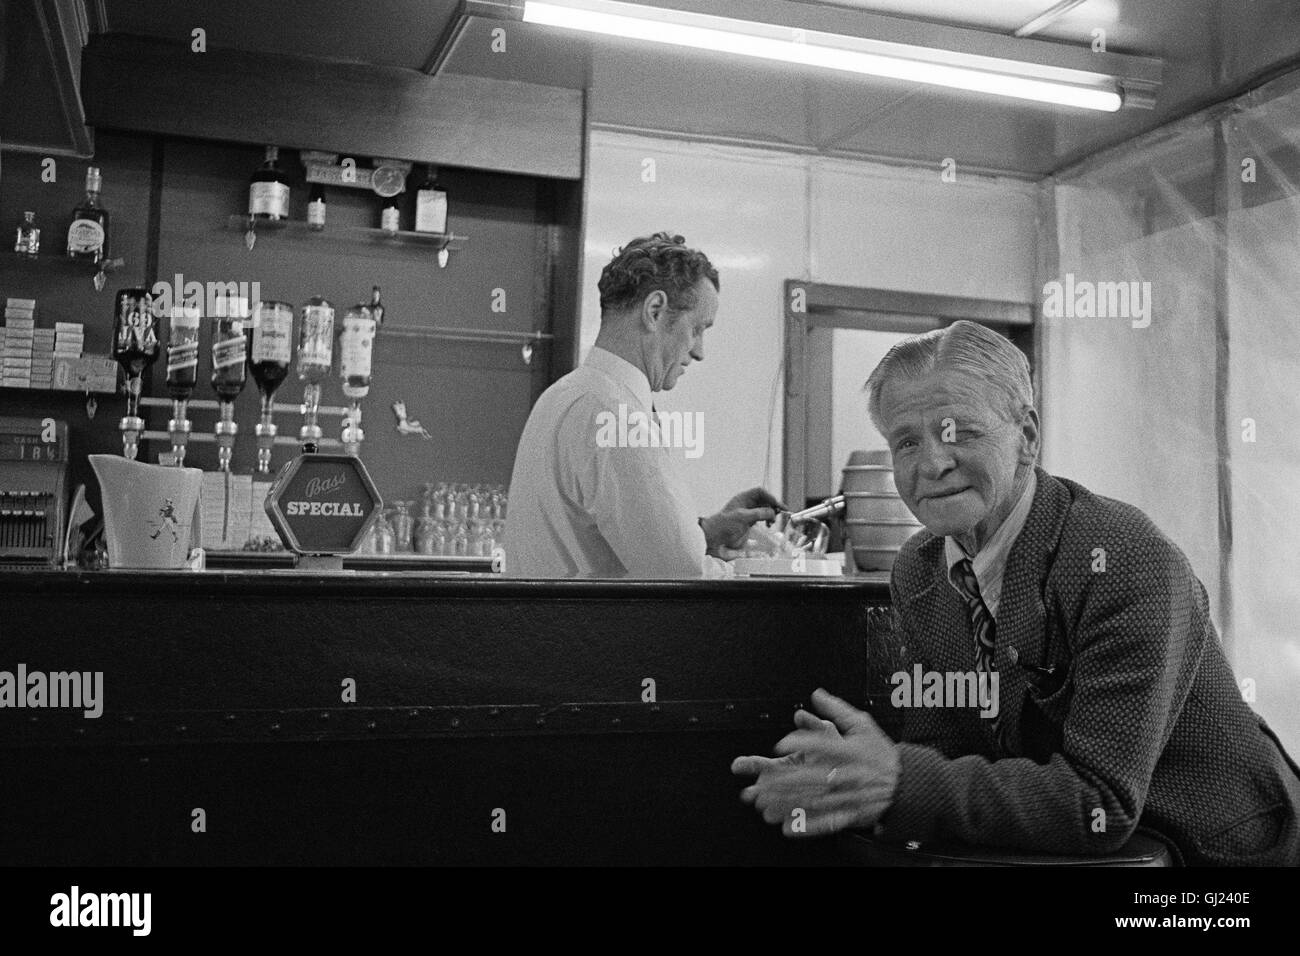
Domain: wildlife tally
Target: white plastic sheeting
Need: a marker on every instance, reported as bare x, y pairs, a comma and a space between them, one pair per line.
1204, 400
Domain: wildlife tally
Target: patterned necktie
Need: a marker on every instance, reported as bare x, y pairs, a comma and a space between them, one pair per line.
963, 578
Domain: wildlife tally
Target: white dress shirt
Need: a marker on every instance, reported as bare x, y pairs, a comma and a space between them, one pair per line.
581, 510
991, 560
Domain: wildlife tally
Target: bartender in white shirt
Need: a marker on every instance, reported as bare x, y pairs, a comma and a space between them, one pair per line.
582, 506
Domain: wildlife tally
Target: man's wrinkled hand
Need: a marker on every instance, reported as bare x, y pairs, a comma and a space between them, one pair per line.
730, 527
841, 771
755, 498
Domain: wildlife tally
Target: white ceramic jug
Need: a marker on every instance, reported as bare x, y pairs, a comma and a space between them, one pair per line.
151, 512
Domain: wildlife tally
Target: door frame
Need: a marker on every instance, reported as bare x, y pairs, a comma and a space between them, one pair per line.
817, 305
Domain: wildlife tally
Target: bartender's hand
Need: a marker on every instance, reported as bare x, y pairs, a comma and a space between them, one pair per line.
730, 526
841, 771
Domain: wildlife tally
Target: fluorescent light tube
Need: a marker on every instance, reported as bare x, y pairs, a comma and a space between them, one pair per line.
898, 61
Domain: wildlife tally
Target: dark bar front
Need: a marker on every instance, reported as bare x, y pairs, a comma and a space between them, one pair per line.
409, 719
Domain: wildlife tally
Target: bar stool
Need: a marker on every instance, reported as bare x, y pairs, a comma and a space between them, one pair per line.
1144, 848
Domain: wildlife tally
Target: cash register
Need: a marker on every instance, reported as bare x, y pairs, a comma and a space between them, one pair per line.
33, 474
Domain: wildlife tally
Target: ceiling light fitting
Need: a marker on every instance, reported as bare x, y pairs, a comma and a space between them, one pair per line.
1034, 78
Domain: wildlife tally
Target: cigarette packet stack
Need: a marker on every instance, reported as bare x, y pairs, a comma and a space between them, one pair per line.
43, 358
20, 336
69, 339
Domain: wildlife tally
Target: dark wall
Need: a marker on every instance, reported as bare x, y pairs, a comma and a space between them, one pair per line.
473, 398
63, 291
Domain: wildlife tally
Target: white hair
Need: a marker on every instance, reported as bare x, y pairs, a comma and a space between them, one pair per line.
961, 347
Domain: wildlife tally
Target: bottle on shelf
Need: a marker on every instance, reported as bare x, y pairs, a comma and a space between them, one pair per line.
88, 233
376, 307
431, 205
426, 539
390, 218
316, 207
403, 526
382, 534
268, 189
29, 236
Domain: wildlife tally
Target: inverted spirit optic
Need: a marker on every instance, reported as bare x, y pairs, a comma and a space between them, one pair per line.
980, 74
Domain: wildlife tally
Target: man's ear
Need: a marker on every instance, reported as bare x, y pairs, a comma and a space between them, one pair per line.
654, 310
1029, 436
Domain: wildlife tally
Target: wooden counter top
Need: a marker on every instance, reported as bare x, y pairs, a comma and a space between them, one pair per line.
421, 584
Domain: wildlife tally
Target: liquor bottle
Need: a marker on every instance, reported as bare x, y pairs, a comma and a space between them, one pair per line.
376, 307
135, 348
390, 219
356, 346
431, 205
315, 356
268, 189
271, 346
135, 331
182, 374
88, 233
269, 351
229, 348
316, 207
29, 237
182, 352
229, 370
315, 340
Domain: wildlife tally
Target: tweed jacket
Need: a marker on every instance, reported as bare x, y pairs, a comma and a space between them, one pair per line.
1140, 722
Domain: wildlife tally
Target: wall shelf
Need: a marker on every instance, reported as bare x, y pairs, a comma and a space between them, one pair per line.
527, 341
59, 391
97, 271
444, 242
465, 335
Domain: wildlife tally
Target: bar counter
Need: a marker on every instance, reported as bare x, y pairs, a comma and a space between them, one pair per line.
416, 718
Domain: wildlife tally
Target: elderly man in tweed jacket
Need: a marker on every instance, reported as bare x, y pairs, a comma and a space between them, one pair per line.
1113, 705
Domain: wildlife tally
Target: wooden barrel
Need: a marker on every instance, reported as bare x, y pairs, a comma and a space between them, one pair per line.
876, 518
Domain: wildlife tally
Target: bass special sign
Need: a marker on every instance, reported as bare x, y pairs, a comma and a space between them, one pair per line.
323, 504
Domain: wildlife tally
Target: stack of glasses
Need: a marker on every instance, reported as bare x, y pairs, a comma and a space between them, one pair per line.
452, 520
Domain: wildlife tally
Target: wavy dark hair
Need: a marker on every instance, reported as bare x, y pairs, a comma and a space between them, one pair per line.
658, 263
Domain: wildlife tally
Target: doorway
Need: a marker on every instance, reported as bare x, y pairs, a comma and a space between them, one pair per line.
834, 337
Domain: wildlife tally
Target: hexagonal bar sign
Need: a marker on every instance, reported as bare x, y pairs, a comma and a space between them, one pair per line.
323, 504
